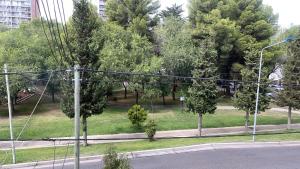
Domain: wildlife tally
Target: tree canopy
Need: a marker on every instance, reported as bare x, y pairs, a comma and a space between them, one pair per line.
236, 24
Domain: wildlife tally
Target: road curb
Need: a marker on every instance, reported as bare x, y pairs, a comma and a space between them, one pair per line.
158, 152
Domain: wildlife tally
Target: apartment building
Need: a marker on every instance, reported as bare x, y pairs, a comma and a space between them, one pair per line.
14, 12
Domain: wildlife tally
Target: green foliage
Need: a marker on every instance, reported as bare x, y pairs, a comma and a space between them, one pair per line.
245, 98
137, 115
84, 52
234, 23
290, 95
133, 14
3, 28
173, 11
113, 161
150, 129
177, 51
202, 95
23, 56
176, 46
151, 93
84, 23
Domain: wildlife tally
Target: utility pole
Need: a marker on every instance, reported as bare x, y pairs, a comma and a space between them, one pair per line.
77, 115
288, 39
10, 115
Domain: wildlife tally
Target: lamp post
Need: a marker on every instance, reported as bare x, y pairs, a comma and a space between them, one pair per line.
288, 39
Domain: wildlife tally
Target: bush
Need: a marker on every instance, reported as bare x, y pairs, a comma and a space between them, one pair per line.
150, 129
113, 161
137, 115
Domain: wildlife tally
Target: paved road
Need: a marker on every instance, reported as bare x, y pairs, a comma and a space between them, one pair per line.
258, 158
233, 158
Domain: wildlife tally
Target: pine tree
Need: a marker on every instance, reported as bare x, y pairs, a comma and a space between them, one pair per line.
290, 95
234, 22
246, 96
84, 22
134, 15
202, 94
173, 11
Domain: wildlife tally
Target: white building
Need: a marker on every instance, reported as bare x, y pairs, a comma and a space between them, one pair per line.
13, 12
100, 7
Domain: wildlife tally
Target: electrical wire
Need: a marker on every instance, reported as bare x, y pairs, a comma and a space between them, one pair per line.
26, 123
64, 26
58, 31
30, 116
44, 30
54, 154
66, 154
50, 25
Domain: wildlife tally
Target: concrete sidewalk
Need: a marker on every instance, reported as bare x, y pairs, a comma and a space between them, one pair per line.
157, 152
5, 145
275, 109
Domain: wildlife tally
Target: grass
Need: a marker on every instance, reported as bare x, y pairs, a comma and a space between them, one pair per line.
38, 154
49, 121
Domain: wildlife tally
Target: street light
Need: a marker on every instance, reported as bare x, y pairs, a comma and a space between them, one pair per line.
288, 39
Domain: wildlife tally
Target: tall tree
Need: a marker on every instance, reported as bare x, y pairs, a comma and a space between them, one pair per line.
202, 95
290, 95
176, 48
133, 14
245, 98
21, 55
233, 21
85, 21
173, 11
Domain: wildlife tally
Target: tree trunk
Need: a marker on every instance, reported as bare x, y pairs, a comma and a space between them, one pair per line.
84, 129
151, 105
164, 100
174, 89
12, 107
53, 97
143, 87
12, 104
125, 91
15, 100
200, 123
136, 97
247, 120
289, 118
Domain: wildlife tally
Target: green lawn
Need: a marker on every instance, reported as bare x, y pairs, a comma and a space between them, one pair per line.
49, 121
31, 155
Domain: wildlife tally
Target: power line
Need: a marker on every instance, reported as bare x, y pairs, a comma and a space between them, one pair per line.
50, 25
26, 123
66, 154
64, 26
58, 31
44, 30
133, 74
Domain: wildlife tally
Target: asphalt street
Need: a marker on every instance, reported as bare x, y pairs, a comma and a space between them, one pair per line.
234, 158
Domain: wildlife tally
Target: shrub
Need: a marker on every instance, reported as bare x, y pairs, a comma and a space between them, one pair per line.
137, 115
150, 129
113, 161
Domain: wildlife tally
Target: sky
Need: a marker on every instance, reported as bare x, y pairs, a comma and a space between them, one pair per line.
288, 10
